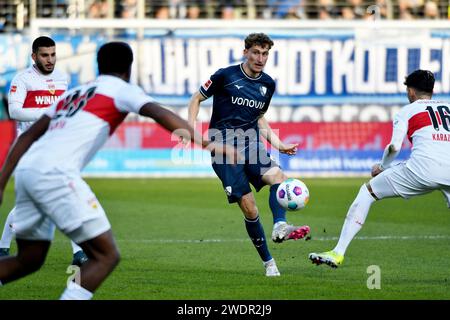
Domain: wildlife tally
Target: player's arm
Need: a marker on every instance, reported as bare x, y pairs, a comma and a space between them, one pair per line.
21, 145
207, 90
16, 99
268, 134
194, 107
182, 128
393, 148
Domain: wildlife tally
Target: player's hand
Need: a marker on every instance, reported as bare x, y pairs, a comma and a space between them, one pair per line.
184, 140
376, 169
289, 148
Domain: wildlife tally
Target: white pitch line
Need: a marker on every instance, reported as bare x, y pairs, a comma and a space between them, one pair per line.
424, 237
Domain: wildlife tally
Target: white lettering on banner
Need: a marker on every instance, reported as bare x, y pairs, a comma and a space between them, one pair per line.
331, 113
183, 68
350, 113
79, 61
380, 74
402, 67
359, 163
178, 66
372, 112
427, 63
326, 113
445, 85
14, 54
320, 71
315, 164
151, 71
170, 55
278, 65
336, 163
363, 56
299, 62
342, 65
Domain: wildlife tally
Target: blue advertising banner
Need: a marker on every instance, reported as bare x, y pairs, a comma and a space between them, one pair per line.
310, 67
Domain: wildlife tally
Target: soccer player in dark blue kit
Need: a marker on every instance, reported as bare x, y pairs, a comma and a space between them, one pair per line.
242, 94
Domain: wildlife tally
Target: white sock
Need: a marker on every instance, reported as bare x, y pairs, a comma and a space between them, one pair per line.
75, 247
356, 216
76, 292
8, 231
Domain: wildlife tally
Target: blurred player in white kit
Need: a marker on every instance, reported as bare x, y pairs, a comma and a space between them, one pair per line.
31, 94
49, 189
426, 123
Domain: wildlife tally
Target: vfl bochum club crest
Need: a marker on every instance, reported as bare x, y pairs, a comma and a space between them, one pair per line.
263, 91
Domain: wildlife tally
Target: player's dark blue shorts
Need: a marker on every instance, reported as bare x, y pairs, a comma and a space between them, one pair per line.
236, 178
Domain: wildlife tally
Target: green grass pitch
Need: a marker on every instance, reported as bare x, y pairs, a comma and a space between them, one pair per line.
179, 239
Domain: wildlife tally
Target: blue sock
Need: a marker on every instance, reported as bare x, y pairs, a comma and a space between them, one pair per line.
256, 233
279, 214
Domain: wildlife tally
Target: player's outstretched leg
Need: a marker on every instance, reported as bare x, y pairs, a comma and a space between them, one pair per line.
79, 257
281, 229
103, 258
7, 235
30, 257
354, 221
256, 233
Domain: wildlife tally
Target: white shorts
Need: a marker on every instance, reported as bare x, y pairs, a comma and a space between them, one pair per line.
64, 200
399, 181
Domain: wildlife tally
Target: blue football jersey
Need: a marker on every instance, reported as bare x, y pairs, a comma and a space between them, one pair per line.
239, 100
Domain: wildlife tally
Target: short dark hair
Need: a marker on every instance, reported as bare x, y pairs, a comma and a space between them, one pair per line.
114, 57
421, 80
260, 39
42, 42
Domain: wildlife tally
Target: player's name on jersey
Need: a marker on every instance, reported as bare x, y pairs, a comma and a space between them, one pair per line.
441, 137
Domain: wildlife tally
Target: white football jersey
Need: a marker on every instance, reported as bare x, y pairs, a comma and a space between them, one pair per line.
82, 121
426, 123
31, 93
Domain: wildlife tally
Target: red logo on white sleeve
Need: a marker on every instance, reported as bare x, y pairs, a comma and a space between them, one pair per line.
13, 89
207, 84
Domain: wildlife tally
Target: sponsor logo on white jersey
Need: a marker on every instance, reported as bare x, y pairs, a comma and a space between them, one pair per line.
52, 88
45, 100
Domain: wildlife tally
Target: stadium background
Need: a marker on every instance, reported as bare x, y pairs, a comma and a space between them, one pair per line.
339, 80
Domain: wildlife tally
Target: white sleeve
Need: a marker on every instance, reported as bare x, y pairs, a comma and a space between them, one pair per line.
16, 98
132, 98
18, 113
399, 130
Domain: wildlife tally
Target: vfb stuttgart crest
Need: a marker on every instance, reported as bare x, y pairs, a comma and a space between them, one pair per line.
263, 91
51, 88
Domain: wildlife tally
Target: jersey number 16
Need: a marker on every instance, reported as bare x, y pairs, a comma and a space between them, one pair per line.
439, 117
